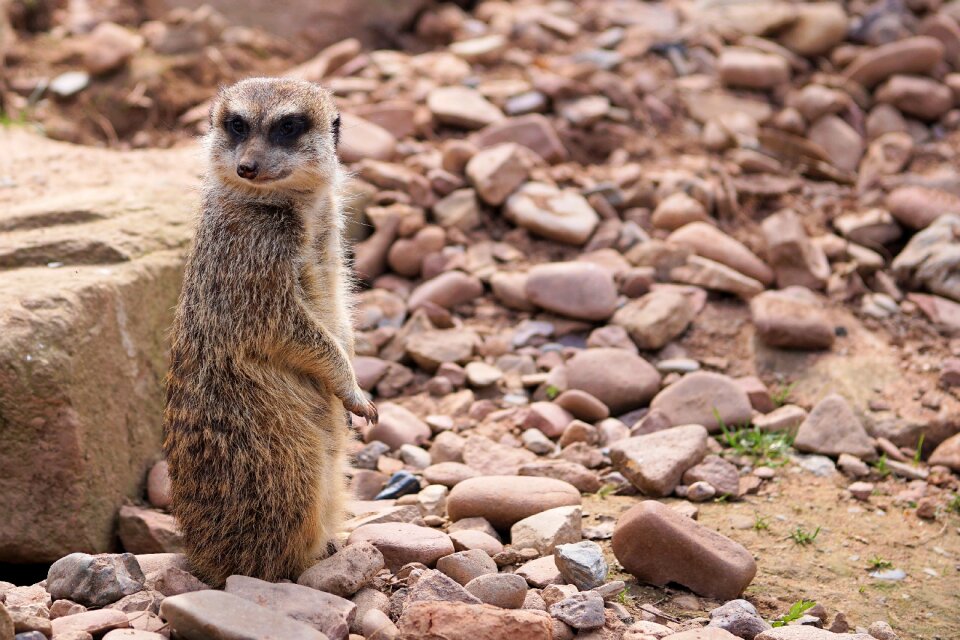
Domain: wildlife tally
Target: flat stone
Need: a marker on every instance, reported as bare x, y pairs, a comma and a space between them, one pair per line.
833, 428
325, 612
448, 290
533, 131
504, 590
432, 348
816, 29
947, 453
793, 318
655, 319
94, 581
467, 540
561, 215
654, 463
544, 531
397, 426
722, 475
462, 107
786, 418
148, 531
477, 622
930, 259
579, 290
585, 480
93, 622
657, 545
360, 138
583, 405
402, 543
716, 276
449, 474
752, 69
917, 55
698, 397
435, 586
504, 500
708, 241
621, 380
540, 572
489, 458
217, 615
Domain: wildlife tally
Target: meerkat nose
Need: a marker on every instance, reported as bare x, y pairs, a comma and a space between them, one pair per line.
248, 171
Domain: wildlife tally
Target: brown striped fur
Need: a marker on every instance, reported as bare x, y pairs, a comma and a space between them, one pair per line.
260, 373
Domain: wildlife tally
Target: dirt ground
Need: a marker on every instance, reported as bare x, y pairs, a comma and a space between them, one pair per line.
834, 569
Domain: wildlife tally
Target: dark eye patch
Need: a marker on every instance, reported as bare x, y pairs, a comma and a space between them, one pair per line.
288, 128
335, 128
236, 127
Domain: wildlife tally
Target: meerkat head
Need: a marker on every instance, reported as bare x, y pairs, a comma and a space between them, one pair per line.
274, 135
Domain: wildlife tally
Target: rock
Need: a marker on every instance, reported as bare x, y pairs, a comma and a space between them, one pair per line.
148, 531
794, 258
109, 47
510, 288
401, 543
367, 600
459, 210
532, 131
917, 207
547, 417
172, 581
462, 107
397, 426
327, 613
579, 290
124, 246
585, 111
922, 98
540, 572
722, 475
816, 29
583, 479
785, 418
432, 348
560, 215
832, 428
677, 210
504, 500
504, 590
345, 572
468, 539
217, 615
698, 397
544, 531
843, 144
917, 55
700, 491
91, 622
496, 172
654, 463
947, 453
740, 618
751, 69
709, 242
707, 563
807, 632
616, 377
406, 255
360, 138
580, 611
146, 600
94, 581
931, 258
464, 566
458, 621
705, 633
158, 485
447, 290
713, 275
882, 631
793, 318
492, 458
449, 474
655, 319
434, 586
581, 564
582, 405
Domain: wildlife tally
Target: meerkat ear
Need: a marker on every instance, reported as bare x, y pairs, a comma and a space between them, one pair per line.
335, 128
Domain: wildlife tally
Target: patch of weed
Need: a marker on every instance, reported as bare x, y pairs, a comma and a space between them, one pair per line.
797, 609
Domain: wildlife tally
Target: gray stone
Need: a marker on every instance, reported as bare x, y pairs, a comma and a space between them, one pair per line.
94, 581
740, 618
345, 572
581, 564
932, 258
580, 611
325, 612
544, 531
217, 615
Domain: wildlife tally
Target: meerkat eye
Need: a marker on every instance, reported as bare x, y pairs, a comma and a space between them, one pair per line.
288, 128
237, 126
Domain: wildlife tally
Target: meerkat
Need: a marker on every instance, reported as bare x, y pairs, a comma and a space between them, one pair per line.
262, 341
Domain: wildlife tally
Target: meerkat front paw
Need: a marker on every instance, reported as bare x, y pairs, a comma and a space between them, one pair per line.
364, 408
